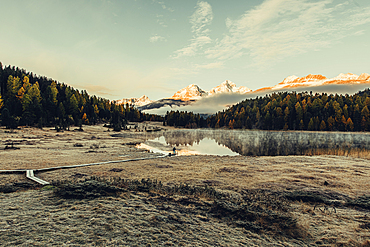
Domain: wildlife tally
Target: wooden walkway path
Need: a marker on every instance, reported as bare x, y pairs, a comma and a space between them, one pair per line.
30, 173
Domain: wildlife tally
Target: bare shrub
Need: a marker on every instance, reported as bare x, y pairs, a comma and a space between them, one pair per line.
9, 188
85, 189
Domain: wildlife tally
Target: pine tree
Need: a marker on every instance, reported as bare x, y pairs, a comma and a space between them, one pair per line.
357, 117
5, 118
322, 125
286, 117
299, 113
365, 123
1, 102
311, 125
85, 120
349, 124
331, 123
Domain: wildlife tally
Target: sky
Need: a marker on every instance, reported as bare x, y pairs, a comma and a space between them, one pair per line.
127, 48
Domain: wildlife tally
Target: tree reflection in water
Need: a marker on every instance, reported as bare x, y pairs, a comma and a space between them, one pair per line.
257, 142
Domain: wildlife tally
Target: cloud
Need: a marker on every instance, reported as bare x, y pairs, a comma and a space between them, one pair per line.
157, 38
163, 5
278, 29
209, 65
160, 20
98, 90
199, 20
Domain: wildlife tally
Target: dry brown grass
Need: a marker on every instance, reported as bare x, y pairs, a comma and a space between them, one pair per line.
336, 178
352, 152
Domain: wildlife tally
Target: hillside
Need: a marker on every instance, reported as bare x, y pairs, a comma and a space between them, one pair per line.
287, 111
28, 99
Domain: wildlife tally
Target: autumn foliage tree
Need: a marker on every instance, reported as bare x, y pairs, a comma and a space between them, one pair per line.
287, 111
27, 99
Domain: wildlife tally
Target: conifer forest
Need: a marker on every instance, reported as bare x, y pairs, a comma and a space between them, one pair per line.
30, 100
287, 111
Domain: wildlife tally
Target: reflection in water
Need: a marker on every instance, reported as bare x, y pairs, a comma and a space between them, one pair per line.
250, 142
189, 146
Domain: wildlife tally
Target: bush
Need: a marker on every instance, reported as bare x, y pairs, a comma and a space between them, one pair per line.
86, 189
305, 196
9, 188
362, 202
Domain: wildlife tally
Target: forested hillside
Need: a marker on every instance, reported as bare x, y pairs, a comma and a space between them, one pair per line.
288, 111
28, 99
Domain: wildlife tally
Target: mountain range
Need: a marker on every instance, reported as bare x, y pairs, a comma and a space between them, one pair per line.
191, 93
143, 100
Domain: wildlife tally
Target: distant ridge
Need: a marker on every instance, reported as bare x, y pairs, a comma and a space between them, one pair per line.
318, 80
143, 100
193, 92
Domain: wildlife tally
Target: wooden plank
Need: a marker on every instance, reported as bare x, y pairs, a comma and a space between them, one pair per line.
99, 163
30, 175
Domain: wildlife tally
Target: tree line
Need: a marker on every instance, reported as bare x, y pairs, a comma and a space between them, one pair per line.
30, 100
184, 119
288, 111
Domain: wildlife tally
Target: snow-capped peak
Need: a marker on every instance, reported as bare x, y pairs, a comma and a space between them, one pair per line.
348, 76
190, 92
228, 84
242, 90
364, 76
228, 87
318, 80
194, 92
143, 100
289, 79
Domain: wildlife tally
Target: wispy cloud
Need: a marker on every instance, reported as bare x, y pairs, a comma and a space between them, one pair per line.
164, 6
209, 65
161, 21
98, 90
278, 29
200, 20
157, 38
160, 18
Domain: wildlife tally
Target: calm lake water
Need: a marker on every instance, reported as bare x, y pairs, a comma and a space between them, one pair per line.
251, 142
204, 146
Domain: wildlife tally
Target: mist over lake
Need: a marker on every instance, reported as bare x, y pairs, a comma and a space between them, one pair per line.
257, 142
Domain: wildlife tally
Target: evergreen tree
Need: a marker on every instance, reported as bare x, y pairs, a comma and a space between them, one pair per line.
7, 120
331, 123
349, 125
1, 102
322, 125
311, 125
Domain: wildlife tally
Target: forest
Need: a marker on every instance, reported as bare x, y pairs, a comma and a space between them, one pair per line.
287, 111
30, 100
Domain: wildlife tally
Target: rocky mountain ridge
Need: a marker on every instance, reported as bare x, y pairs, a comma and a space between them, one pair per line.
143, 100
318, 80
193, 92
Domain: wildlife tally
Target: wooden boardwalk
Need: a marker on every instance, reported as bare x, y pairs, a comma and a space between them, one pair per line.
30, 173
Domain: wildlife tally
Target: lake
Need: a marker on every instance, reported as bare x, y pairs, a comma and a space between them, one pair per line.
253, 142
